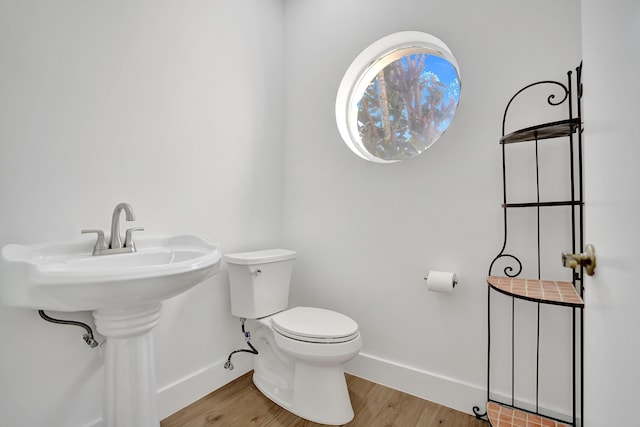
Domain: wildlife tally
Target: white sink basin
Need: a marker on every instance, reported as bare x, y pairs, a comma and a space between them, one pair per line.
65, 276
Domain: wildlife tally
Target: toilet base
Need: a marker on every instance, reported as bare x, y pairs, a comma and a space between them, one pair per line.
307, 379
319, 394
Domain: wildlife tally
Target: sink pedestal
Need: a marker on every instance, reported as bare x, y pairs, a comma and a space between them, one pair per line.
129, 396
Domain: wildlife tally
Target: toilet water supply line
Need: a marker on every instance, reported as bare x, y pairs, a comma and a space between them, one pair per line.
247, 337
88, 337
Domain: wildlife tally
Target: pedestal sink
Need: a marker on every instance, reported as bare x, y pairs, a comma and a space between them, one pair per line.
124, 292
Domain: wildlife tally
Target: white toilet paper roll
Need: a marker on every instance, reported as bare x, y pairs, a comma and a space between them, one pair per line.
441, 281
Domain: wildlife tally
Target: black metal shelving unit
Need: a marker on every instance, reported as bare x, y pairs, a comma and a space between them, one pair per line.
502, 410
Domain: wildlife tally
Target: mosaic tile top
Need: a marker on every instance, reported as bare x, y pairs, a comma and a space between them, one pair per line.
546, 291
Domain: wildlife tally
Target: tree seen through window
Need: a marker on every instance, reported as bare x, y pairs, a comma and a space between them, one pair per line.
407, 106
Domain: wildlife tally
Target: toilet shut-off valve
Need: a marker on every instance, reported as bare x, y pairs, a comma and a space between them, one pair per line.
247, 337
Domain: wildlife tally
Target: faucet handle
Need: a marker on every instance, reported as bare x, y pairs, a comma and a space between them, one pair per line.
100, 244
128, 237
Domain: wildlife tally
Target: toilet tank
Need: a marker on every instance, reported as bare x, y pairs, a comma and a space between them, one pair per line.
259, 281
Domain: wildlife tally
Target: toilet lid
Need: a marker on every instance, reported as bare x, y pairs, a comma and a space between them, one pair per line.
315, 325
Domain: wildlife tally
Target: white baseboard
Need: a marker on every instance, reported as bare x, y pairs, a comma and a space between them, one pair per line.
185, 391
436, 388
450, 392
426, 385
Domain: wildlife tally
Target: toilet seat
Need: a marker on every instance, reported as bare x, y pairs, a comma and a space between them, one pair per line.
315, 325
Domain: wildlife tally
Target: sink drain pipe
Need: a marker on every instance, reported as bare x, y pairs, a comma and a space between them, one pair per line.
247, 337
88, 337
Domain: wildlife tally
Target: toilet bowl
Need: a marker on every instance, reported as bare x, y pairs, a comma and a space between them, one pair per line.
304, 374
301, 350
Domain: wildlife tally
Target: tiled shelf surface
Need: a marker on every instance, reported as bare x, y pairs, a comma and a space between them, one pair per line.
545, 291
504, 416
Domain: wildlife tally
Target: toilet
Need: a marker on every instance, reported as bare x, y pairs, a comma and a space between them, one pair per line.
301, 350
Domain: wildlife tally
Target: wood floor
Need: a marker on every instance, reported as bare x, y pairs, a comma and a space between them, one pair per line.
240, 404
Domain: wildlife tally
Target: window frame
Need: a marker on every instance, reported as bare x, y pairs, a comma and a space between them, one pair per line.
363, 70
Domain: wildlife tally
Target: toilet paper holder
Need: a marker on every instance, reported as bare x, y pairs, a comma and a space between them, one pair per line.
453, 283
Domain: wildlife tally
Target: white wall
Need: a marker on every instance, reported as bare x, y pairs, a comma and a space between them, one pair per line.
174, 107
368, 233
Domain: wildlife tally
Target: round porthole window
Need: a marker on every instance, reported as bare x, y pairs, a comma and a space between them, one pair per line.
398, 97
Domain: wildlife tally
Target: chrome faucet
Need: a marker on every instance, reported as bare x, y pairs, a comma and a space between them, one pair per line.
116, 240
115, 245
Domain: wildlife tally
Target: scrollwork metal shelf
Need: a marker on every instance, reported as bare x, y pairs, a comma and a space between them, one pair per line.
542, 204
503, 411
543, 131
